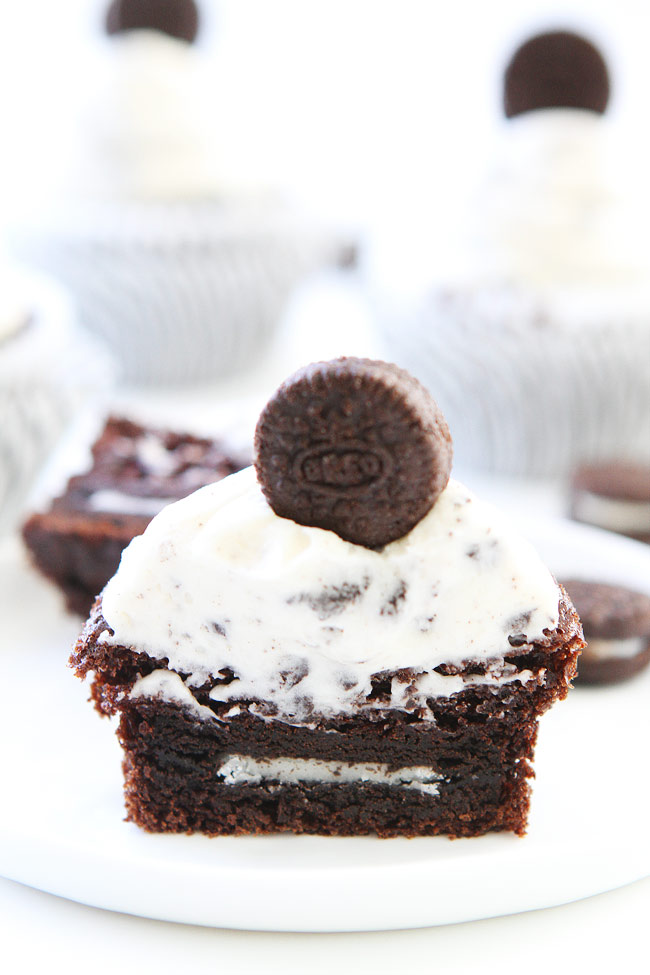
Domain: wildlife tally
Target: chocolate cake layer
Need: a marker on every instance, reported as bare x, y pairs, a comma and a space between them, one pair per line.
173, 784
78, 541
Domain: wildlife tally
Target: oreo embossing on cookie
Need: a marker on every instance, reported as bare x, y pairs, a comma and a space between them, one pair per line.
557, 69
177, 18
355, 446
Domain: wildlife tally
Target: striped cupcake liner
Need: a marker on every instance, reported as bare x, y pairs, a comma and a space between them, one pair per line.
185, 299
524, 393
48, 373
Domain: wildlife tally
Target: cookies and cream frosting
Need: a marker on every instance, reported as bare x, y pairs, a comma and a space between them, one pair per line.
560, 212
152, 125
219, 584
553, 208
146, 131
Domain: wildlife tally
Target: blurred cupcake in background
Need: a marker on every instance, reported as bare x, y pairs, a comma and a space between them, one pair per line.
181, 259
50, 369
532, 323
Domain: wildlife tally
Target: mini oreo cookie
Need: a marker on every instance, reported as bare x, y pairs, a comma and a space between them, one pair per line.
613, 495
177, 18
354, 446
616, 624
556, 70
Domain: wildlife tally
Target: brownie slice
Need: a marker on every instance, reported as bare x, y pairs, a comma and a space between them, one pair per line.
136, 470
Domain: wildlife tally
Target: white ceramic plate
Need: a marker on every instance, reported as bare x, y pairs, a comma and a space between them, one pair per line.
61, 826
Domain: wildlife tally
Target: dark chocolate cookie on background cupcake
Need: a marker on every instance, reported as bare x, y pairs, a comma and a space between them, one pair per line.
178, 247
532, 322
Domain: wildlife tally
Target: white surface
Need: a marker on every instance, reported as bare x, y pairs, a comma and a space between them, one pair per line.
602, 934
61, 823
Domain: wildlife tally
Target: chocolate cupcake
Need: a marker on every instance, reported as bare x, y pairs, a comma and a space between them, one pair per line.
533, 322
180, 252
340, 640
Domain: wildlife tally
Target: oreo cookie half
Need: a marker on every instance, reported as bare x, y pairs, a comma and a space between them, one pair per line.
614, 495
556, 70
616, 624
177, 18
354, 446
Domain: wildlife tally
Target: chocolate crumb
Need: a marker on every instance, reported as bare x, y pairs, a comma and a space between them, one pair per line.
394, 603
332, 599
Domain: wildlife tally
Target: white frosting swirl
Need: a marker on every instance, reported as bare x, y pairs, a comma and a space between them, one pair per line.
146, 127
304, 619
561, 212
557, 208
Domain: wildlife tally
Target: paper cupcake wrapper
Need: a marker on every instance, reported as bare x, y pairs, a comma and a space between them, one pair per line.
190, 297
47, 374
525, 394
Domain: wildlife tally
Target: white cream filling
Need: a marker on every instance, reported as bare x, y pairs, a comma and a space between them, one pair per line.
120, 502
620, 649
244, 770
168, 686
154, 455
614, 514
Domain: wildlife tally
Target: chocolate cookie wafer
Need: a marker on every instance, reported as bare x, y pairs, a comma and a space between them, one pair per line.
177, 18
355, 446
557, 69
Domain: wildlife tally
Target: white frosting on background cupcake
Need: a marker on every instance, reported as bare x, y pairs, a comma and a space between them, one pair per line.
148, 130
147, 124
528, 315
560, 207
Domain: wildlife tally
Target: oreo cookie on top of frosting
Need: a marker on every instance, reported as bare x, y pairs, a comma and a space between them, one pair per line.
356, 446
